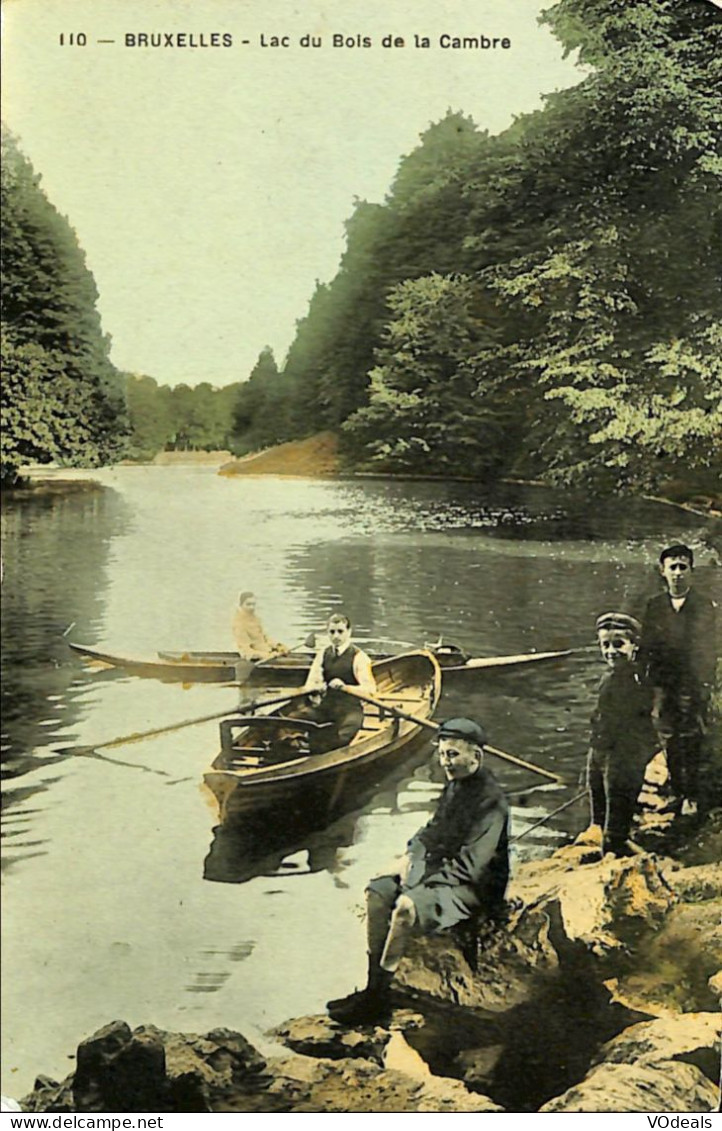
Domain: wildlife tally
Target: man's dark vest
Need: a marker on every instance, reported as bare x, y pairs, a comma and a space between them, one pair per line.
340, 667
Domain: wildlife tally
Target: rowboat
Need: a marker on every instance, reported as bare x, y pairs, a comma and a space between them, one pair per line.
203, 667
259, 772
280, 671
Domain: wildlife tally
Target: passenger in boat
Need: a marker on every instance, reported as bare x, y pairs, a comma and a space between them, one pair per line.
455, 870
678, 652
341, 664
623, 738
252, 641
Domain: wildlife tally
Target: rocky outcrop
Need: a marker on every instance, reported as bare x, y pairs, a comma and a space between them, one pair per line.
592, 948
600, 994
155, 1071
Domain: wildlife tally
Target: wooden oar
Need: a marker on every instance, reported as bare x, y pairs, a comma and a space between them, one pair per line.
137, 736
524, 658
435, 726
543, 821
246, 668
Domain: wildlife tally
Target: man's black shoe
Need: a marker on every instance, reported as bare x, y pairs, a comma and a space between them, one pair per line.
364, 1007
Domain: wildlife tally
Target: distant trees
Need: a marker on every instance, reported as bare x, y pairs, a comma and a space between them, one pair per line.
180, 418
61, 396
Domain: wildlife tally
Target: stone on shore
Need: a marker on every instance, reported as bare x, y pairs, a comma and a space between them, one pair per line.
671, 1064
666, 1086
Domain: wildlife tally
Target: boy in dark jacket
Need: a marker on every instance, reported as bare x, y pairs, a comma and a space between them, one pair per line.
678, 654
623, 738
454, 870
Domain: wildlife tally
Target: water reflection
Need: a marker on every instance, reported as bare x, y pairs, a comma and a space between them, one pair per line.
55, 548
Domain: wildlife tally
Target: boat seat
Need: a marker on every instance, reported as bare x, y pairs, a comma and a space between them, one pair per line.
276, 721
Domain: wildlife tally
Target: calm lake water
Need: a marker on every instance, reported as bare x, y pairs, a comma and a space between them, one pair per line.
120, 900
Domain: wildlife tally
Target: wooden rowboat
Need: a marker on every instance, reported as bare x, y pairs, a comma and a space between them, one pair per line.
279, 671
247, 778
203, 667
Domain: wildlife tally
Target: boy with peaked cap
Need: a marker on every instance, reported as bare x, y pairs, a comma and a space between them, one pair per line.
678, 652
455, 868
623, 737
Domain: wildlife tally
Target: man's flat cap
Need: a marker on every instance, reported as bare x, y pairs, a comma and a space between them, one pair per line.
619, 622
462, 728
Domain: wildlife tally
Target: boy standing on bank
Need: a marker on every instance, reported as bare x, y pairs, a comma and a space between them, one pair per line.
623, 737
678, 654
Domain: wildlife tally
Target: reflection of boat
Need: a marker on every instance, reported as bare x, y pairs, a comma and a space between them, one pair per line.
261, 772
241, 852
283, 671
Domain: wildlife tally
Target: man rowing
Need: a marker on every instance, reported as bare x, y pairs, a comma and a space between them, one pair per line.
339, 667
341, 664
455, 869
251, 639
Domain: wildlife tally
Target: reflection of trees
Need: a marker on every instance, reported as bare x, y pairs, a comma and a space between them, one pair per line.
511, 572
55, 546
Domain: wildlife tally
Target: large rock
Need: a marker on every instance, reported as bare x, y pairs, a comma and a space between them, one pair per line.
605, 904
152, 1070
568, 912
302, 1084
671, 1064
691, 1038
664, 1087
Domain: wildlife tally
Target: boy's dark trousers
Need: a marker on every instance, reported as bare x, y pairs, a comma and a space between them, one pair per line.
683, 719
615, 778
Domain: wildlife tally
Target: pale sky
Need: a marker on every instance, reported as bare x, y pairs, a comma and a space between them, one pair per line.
209, 186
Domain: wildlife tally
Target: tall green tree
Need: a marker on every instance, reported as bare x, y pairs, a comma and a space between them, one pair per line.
263, 407
57, 369
607, 234
434, 406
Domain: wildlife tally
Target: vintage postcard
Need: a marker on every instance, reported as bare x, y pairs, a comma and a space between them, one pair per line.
361, 557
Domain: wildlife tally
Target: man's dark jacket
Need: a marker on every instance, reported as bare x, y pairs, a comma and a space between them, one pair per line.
678, 650
466, 842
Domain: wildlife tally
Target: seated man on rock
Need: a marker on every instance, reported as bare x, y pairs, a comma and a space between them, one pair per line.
455, 868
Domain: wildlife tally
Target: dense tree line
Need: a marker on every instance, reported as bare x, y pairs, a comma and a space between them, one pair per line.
180, 418
542, 302
62, 399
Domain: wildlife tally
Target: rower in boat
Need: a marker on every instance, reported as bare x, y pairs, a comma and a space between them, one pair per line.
252, 640
341, 664
338, 666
